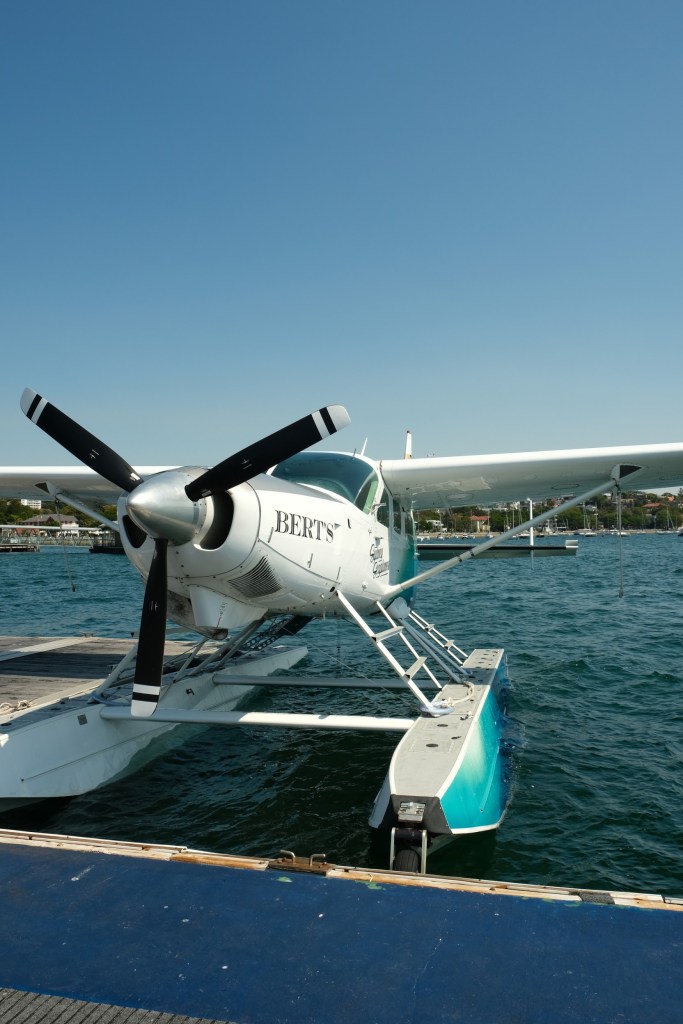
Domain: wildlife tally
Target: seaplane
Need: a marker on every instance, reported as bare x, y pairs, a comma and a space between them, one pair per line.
245, 553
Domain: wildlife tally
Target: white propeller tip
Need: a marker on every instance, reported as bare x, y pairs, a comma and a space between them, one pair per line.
340, 416
27, 400
330, 419
142, 708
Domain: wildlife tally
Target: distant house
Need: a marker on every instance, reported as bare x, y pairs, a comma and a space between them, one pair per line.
67, 526
479, 523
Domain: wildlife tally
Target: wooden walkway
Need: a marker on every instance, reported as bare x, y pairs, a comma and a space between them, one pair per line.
38, 670
32, 1008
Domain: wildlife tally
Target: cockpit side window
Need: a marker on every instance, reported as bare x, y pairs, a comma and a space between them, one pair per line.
367, 493
383, 512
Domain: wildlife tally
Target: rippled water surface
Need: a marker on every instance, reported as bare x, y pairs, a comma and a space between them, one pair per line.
596, 729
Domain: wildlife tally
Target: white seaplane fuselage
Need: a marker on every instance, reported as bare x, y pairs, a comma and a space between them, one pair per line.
285, 543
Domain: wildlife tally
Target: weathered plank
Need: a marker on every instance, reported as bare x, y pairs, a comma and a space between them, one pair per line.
52, 673
33, 1008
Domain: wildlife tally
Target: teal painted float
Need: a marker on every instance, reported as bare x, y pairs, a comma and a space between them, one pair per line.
447, 776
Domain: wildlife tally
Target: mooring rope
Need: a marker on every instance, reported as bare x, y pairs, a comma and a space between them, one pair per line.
66, 553
621, 544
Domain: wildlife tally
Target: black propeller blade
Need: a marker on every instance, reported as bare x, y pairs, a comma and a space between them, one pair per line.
259, 457
150, 657
98, 456
87, 448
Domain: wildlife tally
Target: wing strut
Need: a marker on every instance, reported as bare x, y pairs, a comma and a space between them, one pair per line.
618, 474
67, 498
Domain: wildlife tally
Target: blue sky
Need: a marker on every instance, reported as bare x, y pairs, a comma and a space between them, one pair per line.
462, 218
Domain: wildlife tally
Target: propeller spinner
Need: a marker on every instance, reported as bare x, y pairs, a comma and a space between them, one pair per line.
166, 508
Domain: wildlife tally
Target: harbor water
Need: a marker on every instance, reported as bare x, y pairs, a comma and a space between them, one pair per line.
595, 738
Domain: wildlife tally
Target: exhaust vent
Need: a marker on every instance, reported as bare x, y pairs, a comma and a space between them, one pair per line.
258, 582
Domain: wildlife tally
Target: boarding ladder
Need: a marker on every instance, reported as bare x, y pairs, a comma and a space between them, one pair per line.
414, 631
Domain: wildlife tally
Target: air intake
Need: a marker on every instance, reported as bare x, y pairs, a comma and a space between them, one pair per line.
261, 580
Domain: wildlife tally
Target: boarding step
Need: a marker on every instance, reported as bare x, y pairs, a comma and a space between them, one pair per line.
429, 630
437, 651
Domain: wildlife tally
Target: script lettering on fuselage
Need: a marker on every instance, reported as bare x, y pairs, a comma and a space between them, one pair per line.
304, 526
379, 565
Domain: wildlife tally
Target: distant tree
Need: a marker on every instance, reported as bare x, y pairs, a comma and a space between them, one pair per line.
12, 511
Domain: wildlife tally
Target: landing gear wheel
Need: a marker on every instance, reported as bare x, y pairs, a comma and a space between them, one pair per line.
407, 860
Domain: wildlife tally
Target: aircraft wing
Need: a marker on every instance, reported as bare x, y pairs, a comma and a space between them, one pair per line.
489, 479
447, 482
23, 481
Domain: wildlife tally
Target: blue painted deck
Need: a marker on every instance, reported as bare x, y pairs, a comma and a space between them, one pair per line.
278, 947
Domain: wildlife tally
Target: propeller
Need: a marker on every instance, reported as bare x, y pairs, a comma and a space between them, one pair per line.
87, 448
149, 662
154, 501
277, 447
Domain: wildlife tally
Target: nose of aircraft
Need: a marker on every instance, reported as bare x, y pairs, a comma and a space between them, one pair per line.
160, 507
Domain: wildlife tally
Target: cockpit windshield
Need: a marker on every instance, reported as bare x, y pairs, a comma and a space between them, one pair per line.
351, 477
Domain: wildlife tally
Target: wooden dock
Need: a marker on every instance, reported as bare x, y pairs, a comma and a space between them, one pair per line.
36, 1008
37, 670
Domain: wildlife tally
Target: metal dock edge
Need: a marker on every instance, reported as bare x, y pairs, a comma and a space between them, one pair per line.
131, 933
